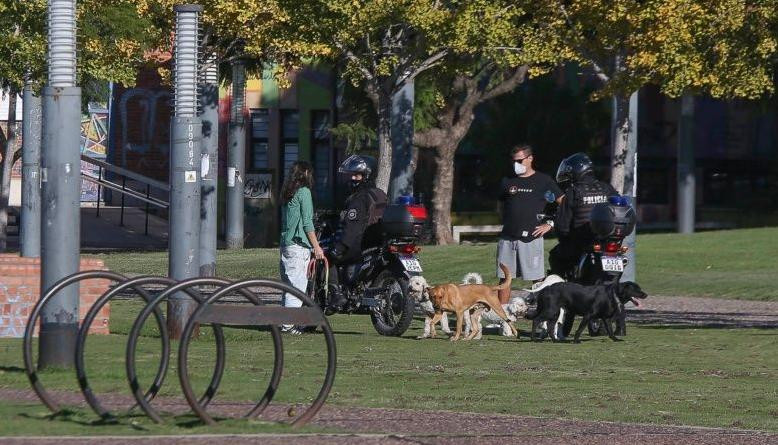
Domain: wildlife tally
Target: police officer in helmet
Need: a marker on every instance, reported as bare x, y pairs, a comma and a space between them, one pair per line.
358, 227
582, 191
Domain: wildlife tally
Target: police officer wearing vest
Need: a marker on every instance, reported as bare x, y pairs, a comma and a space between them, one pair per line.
358, 226
582, 191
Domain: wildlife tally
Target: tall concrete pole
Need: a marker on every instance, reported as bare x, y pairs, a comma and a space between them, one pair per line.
686, 180
401, 181
61, 187
186, 134
30, 229
236, 166
209, 94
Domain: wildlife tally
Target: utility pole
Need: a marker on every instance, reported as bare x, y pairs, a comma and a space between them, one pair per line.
401, 181
209, 165
60, 188
30, 228
686, 179
186, 135
236, 166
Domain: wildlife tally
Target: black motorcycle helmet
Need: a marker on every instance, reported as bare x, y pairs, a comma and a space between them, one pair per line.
358, 164
573, 168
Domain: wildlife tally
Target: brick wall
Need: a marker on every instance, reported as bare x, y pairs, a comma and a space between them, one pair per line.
20, 289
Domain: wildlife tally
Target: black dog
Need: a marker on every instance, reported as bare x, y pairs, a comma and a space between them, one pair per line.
601, 302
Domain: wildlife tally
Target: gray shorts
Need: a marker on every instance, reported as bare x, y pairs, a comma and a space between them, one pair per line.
529, 257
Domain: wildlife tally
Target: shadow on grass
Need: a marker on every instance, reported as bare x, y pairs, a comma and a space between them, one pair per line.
79, 418
700, 320
11, 369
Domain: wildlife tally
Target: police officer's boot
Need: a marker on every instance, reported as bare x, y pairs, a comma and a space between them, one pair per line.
336, 298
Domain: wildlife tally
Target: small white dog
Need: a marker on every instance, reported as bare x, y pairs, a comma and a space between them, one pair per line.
515, 309
417, 286
556, 334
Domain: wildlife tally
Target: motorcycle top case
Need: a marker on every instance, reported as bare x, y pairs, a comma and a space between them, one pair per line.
608, 220
403, 221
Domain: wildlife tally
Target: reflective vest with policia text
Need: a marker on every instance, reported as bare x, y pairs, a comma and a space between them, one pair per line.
587, 194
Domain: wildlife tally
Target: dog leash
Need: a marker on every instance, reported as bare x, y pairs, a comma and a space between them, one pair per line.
312, 273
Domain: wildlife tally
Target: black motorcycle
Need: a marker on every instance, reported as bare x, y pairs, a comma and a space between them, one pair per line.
604, 260
377, 284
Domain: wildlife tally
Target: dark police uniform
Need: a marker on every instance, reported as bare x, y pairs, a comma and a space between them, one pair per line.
572, 221
359, 228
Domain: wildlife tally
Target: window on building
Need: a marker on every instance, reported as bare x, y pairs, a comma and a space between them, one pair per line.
322, 155
260, 125
290, 139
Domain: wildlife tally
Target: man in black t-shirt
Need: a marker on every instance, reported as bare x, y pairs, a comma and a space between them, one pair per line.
524, 195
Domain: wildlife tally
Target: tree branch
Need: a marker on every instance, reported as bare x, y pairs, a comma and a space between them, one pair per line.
429, 138
507, 85
423, 66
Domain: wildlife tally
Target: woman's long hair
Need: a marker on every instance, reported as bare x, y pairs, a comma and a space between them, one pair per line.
300, 175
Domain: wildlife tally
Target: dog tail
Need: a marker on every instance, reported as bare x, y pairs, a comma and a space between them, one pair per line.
472, 278
507, 274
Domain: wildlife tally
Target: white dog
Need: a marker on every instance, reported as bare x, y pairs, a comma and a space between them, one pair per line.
556, 334
417, 287
516, 308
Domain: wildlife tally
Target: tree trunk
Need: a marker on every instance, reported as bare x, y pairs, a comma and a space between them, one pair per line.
384, 143
620, 130
5, 169
443, 189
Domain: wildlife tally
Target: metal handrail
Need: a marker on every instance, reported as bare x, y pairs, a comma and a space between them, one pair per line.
127, 173
122, 188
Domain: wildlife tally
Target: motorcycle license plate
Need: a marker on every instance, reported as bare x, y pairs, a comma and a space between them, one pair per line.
410, 263
612, 264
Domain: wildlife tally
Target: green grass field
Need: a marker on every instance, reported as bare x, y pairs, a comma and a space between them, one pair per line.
666, 375
736, 264
707, 377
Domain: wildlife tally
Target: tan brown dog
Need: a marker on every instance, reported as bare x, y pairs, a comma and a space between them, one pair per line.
460, 298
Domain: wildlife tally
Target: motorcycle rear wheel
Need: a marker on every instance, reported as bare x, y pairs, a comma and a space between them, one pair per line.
396, 315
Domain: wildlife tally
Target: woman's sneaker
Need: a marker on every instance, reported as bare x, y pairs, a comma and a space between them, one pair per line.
291, 329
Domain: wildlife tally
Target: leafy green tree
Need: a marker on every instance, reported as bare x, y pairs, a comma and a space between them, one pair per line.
384, 44
725, 48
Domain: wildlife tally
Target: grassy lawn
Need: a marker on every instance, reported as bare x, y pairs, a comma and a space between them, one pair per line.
668, 375
729, 264
707, 377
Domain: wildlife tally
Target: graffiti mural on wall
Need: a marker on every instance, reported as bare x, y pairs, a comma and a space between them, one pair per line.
258, 186
139, 135
14, 314
94, 132
94, 140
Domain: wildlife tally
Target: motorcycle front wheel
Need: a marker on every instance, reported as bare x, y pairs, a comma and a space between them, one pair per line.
394, 315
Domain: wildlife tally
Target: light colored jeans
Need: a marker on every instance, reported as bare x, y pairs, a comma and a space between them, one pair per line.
294, 271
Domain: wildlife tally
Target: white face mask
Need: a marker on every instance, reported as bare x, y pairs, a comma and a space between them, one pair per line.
519, 168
